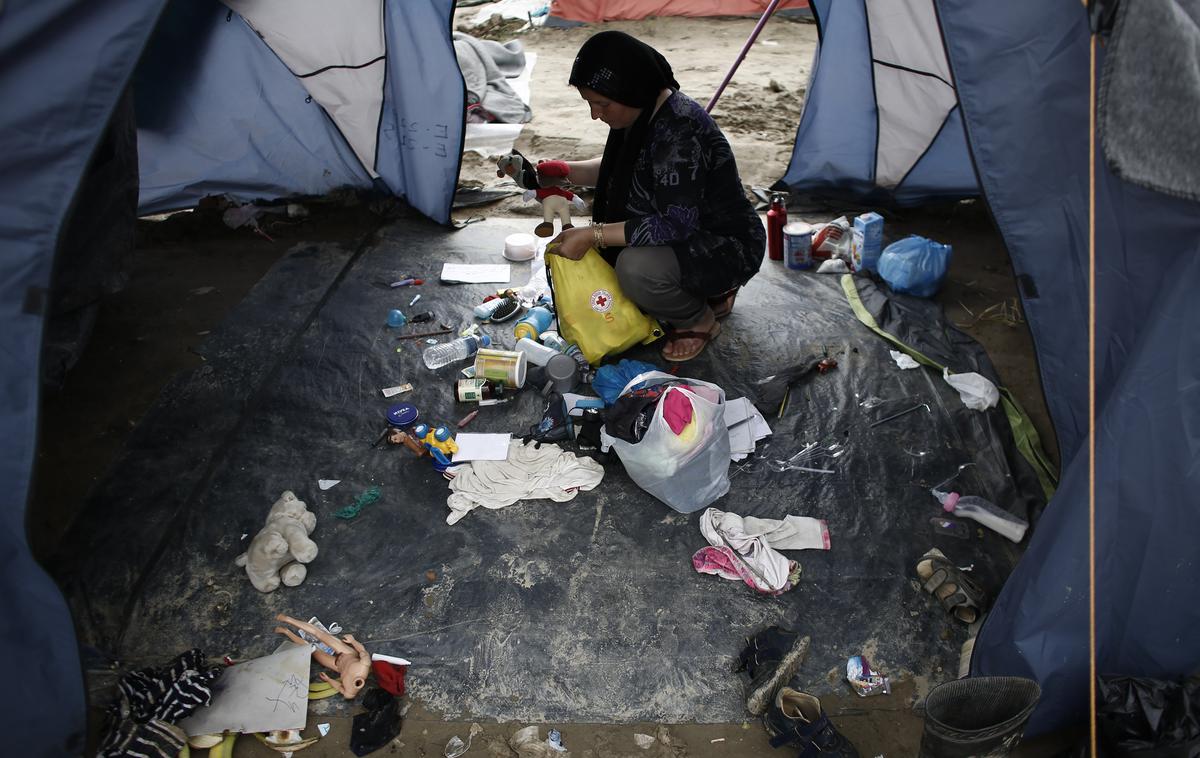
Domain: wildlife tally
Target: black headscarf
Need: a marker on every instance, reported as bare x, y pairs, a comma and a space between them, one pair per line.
630, 72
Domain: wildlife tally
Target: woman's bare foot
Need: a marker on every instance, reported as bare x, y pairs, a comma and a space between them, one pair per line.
686, 344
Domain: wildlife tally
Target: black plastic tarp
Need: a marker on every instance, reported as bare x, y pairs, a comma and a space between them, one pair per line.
584, 610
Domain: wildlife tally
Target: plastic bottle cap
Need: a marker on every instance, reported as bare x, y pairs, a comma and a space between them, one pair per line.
485, 340
950, 502
520, 247
404, 414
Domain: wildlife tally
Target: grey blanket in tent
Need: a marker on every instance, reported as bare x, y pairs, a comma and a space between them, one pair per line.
1150, 95
486, 67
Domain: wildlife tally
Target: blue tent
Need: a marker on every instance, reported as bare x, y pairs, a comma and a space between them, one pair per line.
881, 122
1016, 132
294, 97
992, 99
1022, 77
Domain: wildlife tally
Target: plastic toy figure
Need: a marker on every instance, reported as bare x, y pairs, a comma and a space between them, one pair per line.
350, 658
545, 183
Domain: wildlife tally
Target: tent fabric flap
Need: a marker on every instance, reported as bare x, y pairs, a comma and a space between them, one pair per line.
880, 99
63, 67
338, 53
289, 98
1022, 77
219, 113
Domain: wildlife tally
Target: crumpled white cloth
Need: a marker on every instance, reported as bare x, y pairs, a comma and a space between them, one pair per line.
903, 360
529, 473
977, 391
759, 540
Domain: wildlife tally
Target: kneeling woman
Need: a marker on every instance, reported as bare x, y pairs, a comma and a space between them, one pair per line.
669, 209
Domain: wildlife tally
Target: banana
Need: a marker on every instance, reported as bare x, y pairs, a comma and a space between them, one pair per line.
204, 741
321, 690
225, 749
286, 741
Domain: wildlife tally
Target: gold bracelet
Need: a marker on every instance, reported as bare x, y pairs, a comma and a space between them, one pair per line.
598, 236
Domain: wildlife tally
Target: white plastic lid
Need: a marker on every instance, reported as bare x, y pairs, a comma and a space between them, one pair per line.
520, 247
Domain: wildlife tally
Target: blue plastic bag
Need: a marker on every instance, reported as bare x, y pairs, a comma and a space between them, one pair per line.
915, 265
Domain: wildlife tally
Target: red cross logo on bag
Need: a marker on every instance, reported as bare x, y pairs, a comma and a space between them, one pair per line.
602, 301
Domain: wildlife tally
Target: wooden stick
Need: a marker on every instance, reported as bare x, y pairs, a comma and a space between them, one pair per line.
424, 334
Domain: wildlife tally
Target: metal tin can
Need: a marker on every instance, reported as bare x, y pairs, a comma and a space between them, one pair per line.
797, 245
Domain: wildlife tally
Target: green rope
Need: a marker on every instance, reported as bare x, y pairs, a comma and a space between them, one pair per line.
363, 500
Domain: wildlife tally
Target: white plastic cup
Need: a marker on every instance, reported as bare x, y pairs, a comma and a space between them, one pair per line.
537, 353
520, 247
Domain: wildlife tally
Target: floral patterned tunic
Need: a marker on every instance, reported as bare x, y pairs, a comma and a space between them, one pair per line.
686, 193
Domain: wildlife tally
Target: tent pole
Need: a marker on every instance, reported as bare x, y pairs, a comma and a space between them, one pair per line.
742, 55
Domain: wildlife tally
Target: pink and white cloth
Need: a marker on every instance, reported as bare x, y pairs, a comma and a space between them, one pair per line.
747, 548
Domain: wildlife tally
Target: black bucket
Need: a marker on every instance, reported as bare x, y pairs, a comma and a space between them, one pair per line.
981, 717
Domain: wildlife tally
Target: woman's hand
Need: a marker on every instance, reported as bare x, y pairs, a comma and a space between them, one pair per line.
571, 243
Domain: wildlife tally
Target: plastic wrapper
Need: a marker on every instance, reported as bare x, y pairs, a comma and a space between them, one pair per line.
1142, 716
915, 265
865, 681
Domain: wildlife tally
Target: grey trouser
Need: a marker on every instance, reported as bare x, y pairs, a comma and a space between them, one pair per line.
650, 276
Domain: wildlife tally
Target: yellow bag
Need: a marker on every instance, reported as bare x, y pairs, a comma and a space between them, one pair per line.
592, 311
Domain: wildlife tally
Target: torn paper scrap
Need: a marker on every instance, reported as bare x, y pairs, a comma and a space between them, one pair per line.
399, 389
903, 360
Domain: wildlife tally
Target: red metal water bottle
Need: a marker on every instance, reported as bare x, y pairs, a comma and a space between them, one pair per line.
776, 219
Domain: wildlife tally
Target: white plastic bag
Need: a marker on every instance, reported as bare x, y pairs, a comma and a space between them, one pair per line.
977, 391
687, 472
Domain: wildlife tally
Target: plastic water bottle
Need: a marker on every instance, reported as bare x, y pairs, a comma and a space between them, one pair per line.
984, 512
554, 341
436, 356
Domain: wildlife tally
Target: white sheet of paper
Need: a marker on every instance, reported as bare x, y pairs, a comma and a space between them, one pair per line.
325, 484
759, 427
740, 440
481, 447
475, 273
737, 410
258, 696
